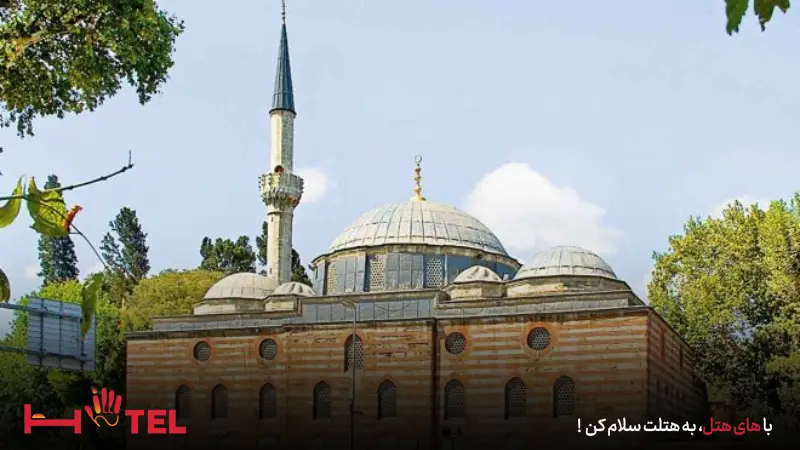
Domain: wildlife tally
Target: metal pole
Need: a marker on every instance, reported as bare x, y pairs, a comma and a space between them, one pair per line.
353, 382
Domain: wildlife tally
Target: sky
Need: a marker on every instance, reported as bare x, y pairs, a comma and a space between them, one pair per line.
604, 125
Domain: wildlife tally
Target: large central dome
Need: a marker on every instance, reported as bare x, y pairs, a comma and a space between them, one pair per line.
418, 222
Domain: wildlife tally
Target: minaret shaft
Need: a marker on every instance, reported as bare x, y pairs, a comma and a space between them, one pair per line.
282, 154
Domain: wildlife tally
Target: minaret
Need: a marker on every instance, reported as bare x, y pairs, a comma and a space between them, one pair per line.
281, 189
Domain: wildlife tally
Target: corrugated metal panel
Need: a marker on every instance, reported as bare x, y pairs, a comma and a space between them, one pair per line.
54, 336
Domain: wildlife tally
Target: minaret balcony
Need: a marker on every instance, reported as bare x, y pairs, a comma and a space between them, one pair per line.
281, 189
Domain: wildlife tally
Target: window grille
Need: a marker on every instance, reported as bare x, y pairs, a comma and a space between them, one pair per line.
454, 400
564, 397
219, 402
322, 401
516, 399
539, 338
455, 343
387, 400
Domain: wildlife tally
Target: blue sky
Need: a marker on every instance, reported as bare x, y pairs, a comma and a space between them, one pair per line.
601, 124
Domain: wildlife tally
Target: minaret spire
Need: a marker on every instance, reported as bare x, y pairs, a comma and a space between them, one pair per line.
283, 98
281, 189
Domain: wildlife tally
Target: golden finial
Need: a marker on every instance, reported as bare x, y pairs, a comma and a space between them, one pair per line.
283, 11
418, 179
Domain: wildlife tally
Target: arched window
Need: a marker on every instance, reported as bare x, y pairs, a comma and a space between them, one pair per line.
322, 401
183, 403
454, 399
353, 353
219, 402
516, 399
387, 400
564, 397
267, 402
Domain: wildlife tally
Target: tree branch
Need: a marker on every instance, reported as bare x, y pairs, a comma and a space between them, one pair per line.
79, 185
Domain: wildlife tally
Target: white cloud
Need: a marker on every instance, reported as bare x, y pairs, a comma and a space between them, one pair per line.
315, 183
528, 212
745, 200
32, 273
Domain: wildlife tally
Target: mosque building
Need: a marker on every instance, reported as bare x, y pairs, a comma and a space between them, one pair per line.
420, 332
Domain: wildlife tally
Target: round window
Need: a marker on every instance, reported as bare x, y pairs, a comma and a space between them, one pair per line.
539, 338
268, 349
202, 351
455, 343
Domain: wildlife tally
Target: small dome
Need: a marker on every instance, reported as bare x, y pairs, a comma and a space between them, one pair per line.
295, 288
477, 273
418, 222
565, 260
247, 285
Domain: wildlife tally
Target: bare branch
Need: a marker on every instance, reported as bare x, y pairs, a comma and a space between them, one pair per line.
79, 185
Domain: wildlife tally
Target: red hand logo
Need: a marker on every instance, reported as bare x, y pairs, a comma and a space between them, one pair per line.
108, 404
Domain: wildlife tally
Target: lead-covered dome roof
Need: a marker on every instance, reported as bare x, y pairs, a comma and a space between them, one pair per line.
249, 286
565, 260
418, 222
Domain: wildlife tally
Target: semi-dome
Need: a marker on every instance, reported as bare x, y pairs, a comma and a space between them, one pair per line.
477, 273
565, 260
418, 222
248, 286
295, 288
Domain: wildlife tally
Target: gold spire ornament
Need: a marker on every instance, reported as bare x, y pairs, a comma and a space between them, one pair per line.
418, 180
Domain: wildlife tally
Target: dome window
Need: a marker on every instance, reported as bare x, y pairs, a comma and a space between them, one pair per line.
539, 338
455, 343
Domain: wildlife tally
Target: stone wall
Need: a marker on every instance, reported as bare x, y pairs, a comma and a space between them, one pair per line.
608, 355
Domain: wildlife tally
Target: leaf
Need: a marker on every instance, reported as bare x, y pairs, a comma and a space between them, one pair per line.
5, 287
89, 294
764, 9
48, 211
735, 10
10, 210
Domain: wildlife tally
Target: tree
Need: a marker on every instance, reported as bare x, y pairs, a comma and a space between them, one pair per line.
57, 257
126, 254
763, 9
168, 293
224, 255
298, 271
731, 287
70, 56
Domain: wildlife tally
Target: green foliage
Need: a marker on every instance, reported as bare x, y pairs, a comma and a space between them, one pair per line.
227, 256
48, 211
5, 287
51, 391
298, 270
89, 294
731, 287
10, 210
126, 253
168, 293
57, 257
70, 56
763, 9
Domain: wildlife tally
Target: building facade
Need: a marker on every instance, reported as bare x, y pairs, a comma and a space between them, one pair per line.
420, 331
